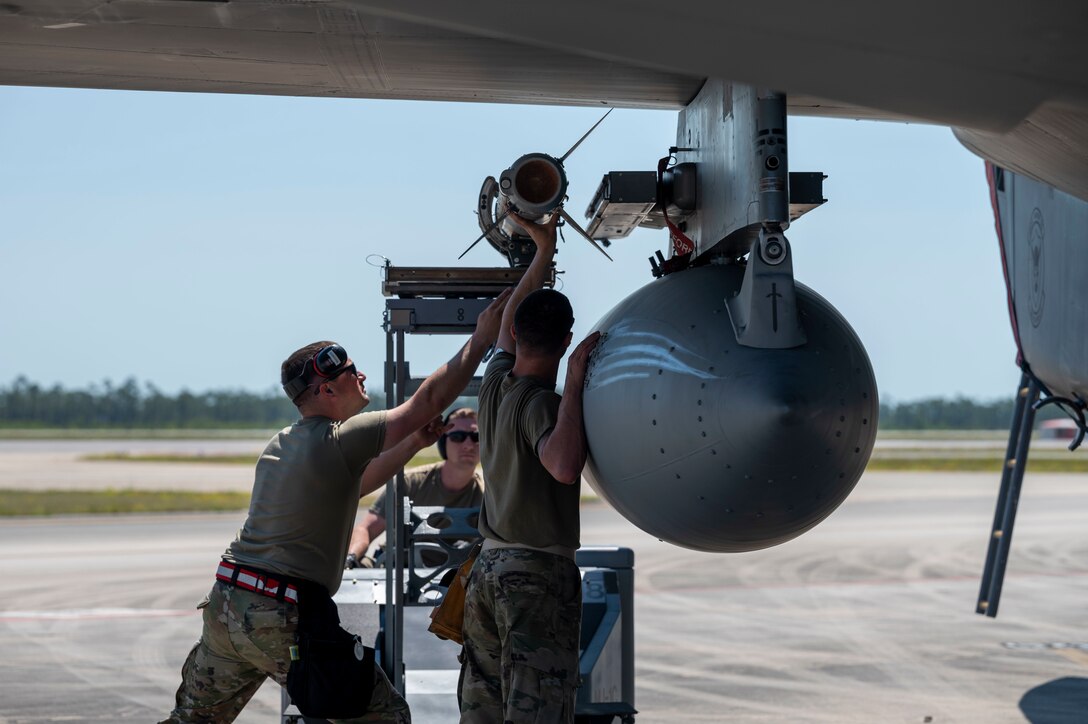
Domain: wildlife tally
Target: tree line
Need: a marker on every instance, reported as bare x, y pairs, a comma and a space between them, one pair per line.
132, 405
958, 413
24, 404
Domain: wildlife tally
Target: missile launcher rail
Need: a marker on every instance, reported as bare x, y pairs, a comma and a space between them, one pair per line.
450, 282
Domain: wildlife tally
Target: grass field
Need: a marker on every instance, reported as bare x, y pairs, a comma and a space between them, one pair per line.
164, 458
424, 458
915, 457
80, 502
977, 464
83, 502
50, 433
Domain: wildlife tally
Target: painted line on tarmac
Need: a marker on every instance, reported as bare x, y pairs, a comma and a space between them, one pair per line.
653, 589
88, 614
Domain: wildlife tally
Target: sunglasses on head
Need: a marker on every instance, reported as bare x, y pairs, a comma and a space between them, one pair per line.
461, 436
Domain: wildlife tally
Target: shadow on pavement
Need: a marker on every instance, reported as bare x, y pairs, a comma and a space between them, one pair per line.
1061, 701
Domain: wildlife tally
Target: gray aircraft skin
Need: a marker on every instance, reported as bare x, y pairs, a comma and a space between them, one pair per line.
1008, 77
1044, 243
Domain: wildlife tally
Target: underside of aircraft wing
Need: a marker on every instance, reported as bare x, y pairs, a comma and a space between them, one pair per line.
334, 49
304, 49
1010, 78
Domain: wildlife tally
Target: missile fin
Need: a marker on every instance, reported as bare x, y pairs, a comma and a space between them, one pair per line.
574, 225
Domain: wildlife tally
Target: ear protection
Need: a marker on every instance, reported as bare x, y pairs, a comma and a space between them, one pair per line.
328, 361
442, 439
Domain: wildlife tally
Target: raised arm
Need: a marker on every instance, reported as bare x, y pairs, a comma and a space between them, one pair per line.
386, 465
447, 382
563, 451
543, 235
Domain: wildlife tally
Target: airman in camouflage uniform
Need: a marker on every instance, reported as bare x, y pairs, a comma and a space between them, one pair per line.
306, 492
523, 600
247, 637
538, 607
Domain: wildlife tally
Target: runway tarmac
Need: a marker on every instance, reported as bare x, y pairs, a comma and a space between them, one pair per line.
867, 618
62, 465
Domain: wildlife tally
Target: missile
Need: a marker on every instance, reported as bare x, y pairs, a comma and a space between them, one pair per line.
535, 185
534, 188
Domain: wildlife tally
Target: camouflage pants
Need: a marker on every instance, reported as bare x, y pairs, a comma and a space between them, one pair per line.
523, 612
246, 639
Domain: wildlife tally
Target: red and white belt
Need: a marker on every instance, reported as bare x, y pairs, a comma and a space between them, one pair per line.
257, 581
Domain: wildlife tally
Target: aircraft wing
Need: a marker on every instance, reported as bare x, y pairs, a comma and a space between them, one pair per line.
1008, 76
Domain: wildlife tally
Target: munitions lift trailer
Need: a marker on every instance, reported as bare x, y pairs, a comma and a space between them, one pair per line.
376, 603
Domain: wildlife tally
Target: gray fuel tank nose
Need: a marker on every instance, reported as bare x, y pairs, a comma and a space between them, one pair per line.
714, 446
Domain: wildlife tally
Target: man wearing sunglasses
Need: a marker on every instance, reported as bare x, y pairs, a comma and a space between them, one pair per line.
452, 483
523, 602
292, 547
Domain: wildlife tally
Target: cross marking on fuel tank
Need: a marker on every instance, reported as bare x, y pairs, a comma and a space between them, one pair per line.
774, 295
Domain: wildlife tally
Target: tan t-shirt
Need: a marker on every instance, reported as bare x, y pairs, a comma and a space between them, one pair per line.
425, 487
523, 503
305, 495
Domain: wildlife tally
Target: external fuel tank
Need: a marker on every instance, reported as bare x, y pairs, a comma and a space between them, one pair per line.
715, 446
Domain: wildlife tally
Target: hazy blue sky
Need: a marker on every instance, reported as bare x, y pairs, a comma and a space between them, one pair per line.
193, 240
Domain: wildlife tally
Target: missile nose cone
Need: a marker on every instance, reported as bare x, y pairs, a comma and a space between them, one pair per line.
536, 183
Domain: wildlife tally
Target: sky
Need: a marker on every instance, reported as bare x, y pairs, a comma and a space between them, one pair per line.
192, 241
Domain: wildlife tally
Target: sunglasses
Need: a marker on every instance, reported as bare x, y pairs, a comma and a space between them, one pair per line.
460, 436
350, 370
